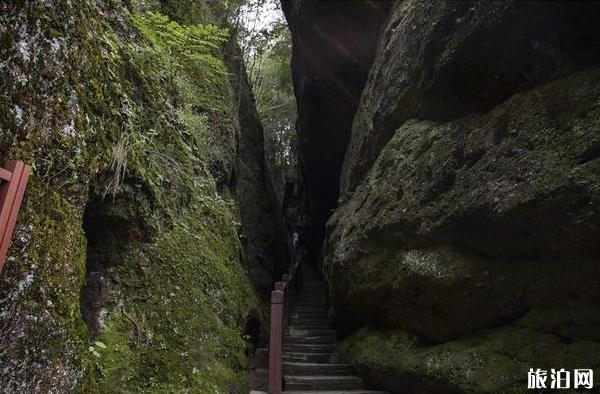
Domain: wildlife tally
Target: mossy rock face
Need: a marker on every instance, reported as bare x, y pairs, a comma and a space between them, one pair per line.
441, 61
129, 222
491, 361
264, 233
465, 225
444, 292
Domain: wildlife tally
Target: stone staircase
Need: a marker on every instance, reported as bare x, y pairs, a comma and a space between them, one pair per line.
309, 364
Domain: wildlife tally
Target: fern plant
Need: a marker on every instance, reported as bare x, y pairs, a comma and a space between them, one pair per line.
190, 48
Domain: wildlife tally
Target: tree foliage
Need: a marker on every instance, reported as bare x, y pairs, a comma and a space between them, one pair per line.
266, 45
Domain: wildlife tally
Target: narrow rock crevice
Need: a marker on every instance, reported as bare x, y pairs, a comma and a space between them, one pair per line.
332, 53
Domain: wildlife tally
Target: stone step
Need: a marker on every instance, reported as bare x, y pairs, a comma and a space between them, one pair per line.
320, 305
307, 357
294, 331
309, 308
308, 325
305, 369
314, 318
309, 312
325, 392
299, 321
322, 382
309, 348
336, 392
320, 325
310, 340
308, 316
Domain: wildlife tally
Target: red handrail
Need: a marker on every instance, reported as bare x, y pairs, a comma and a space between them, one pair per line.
279, 296
14, 180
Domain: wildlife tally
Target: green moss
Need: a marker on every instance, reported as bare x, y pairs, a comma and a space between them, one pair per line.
184, 298
490, 361
186, 332
142, 124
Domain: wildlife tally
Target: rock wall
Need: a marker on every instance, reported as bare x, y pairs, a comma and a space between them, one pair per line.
127, 270
441, 61
265, 234
463, 251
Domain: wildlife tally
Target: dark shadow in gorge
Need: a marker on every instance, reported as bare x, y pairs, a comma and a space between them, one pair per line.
333, 48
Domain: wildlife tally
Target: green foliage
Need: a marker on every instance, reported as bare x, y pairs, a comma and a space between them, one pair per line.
275, 97
190, 49
267, 49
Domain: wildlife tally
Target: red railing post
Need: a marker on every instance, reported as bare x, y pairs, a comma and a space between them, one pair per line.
275, 341
11, 194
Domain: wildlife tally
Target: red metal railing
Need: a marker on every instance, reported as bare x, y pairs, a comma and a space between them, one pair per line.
13, 180
281, 299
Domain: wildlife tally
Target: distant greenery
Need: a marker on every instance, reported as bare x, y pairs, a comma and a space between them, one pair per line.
275, 97
267, 47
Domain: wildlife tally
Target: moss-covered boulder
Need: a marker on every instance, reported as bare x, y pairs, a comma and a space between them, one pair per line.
517, 184
445, 59
491, 361
466, 225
